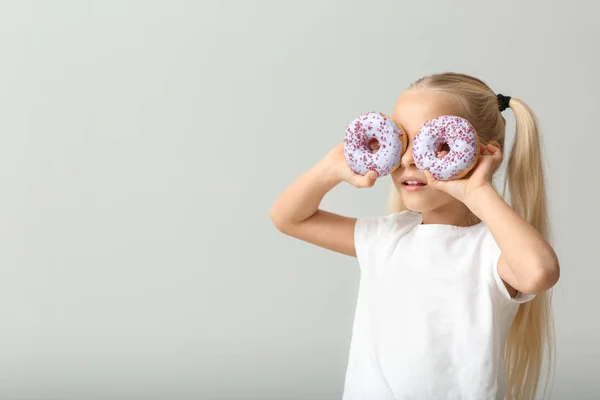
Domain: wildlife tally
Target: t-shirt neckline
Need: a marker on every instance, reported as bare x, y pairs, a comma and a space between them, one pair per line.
443, 228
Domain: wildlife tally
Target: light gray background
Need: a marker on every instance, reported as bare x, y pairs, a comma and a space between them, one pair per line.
144, 142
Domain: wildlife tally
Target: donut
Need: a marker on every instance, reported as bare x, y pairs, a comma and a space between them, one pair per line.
462, 140
361, 131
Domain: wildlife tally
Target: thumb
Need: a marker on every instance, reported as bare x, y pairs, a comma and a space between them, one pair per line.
363, 181
431, 181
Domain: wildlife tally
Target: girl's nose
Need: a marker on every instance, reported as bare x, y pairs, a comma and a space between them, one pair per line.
407, 158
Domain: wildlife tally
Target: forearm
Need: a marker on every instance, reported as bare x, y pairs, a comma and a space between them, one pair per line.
527, 253
301, 199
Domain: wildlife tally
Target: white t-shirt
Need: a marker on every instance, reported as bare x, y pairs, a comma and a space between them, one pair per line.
432, 313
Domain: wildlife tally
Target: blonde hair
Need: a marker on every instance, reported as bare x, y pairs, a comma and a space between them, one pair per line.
532, 330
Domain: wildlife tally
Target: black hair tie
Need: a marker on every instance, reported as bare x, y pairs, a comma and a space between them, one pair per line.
503, 102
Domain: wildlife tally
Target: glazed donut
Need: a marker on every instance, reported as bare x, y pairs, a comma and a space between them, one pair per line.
361, 131
461, 138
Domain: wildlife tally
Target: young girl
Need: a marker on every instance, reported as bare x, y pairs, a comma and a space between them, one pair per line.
453, 300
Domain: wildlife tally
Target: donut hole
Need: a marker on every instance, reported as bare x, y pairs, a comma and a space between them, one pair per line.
442, 150
373, 145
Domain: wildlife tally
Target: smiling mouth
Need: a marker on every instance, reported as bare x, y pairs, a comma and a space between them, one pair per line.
413, 183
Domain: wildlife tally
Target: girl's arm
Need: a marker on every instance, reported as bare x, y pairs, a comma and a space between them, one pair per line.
296, 212
527, 263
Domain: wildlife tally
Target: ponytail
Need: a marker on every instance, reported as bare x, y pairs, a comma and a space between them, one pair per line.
525, 176
532, 330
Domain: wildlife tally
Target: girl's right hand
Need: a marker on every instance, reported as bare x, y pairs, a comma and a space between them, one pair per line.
296, 212
341, 170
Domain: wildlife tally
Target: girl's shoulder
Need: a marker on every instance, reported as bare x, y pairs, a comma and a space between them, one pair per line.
389, 222
371, 228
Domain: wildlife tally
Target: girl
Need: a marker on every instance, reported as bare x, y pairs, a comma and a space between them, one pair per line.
453, 300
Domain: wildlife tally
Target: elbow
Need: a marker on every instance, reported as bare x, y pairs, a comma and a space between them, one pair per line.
278, 220
546, 276
551, 275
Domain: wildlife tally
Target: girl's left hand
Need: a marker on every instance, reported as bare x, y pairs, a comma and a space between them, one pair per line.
490, 158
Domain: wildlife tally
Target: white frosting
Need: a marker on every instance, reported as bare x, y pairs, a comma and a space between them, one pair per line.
460, 136
364, 128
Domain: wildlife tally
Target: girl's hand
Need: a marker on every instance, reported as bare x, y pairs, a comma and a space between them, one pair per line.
338, 166
481, 176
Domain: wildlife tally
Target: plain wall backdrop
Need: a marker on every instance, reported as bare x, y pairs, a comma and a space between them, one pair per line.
143, 144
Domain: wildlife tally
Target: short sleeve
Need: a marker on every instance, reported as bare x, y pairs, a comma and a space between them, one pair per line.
366, 232
493, 255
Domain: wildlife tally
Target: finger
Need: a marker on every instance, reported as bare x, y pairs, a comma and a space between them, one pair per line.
431, 181
358, 181
491, 148
497, 155
498, 158
485, 151
374, 145
495, 152
366, 180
